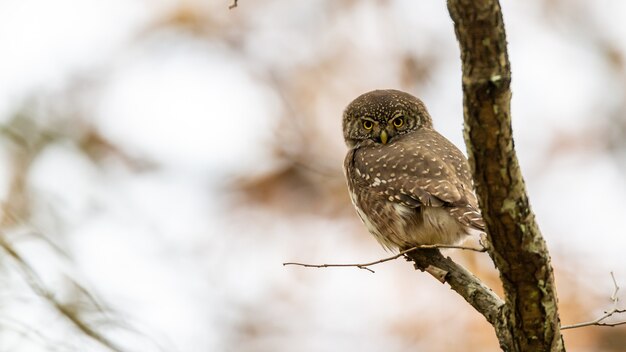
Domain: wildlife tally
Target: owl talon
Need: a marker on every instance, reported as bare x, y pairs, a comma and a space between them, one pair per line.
483, 241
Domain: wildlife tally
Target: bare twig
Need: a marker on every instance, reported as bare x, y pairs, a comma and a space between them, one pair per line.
429, 259
614, 297
607, 314
599, 320
233, 5
366, 266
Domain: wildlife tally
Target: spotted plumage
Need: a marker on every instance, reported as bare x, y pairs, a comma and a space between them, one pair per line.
409, 184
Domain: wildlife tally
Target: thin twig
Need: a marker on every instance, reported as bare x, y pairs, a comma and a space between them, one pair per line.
366, 266
614, 297
607, 314
599, 321
233, 5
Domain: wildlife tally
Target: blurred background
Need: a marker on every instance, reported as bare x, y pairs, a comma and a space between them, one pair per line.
161, 159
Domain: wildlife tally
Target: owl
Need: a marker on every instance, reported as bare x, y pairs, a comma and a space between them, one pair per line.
409, 184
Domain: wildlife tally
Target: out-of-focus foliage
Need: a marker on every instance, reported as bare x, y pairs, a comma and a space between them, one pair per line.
159, 161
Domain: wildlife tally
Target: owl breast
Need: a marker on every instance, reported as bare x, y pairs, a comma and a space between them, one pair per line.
407, 196
397, 226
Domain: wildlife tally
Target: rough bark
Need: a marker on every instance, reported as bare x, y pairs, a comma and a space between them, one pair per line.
530, 320
468, 286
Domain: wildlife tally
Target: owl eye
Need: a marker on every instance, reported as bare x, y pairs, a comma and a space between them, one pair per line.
367, 124
398, 122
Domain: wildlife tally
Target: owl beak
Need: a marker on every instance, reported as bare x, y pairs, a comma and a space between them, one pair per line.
384, 137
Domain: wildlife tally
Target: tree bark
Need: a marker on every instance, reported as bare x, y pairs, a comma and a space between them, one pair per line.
468, 286
530, 319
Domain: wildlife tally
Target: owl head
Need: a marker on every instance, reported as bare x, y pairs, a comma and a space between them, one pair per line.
380, 116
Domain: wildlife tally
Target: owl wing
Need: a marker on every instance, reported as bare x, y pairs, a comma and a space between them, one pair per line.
422, 168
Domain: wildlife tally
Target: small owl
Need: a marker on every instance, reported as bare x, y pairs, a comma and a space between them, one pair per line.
409, 184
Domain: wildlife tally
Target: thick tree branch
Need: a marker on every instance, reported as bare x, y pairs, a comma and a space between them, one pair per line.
463, 282
516, 246
428, 258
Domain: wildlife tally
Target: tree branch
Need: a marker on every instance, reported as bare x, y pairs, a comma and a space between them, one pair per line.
607, 314
599, 320
463, 282
428, 258
366, 266
531, 320
35, 283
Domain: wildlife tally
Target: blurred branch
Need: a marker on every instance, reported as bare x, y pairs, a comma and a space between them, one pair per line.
607, 314
39, 288
233, 5
33, 335
366, 266
28, 134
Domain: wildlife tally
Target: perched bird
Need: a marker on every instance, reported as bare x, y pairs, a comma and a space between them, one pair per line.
409, 184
